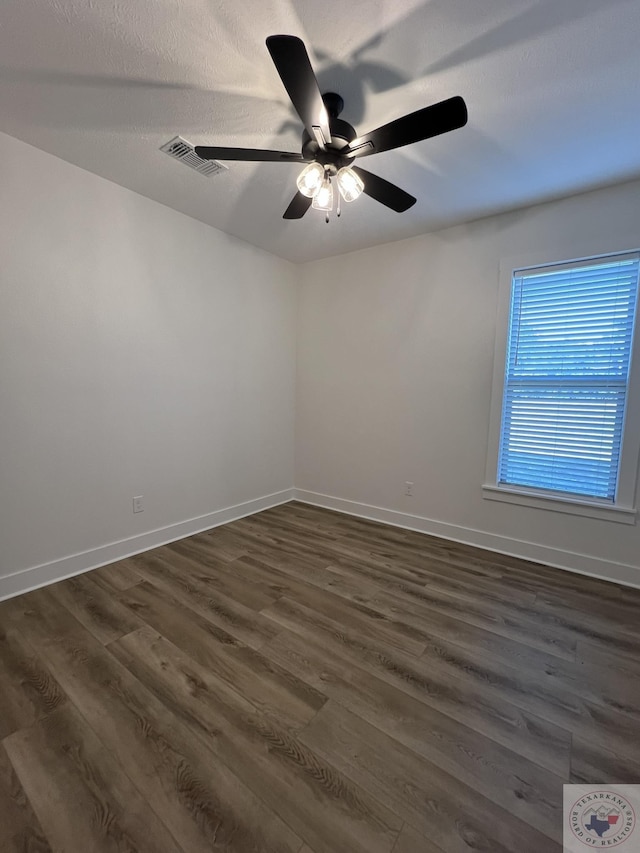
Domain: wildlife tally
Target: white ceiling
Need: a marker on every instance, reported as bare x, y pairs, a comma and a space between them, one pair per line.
552, 88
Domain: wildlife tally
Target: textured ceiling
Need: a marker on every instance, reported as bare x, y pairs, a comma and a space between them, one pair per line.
552, 88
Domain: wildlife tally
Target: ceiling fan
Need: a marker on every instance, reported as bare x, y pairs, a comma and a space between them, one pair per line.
330, 145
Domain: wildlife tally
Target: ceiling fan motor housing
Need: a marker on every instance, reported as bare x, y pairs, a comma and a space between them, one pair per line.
342, 133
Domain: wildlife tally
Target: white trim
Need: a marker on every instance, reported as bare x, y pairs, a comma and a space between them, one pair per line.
569, 505
582, 564
57, 570
587, 260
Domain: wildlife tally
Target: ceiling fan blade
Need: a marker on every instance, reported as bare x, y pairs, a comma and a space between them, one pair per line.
298, 207
294, 67
423, 124
384, 192
207, 152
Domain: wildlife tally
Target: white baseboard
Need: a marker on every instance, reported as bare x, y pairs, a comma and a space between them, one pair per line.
57, 570
47, 573
582, 564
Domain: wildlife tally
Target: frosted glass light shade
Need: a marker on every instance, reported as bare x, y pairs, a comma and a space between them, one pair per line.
310, 179
323, 199
350, 184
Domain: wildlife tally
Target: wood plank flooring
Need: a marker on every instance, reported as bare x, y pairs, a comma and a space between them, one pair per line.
301, 681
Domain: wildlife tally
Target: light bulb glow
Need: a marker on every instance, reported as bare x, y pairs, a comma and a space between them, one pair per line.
350, 184
323, 199
310, 179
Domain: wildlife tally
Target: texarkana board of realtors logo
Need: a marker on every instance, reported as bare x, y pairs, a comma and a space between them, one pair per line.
601, 818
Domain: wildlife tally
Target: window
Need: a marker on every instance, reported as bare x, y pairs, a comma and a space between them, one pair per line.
565, 393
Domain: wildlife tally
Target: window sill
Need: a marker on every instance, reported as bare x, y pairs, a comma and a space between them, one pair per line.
555, 503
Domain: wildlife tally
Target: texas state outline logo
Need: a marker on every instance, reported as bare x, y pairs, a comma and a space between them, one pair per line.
601, 818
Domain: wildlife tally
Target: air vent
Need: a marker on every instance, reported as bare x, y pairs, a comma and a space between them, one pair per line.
180, 149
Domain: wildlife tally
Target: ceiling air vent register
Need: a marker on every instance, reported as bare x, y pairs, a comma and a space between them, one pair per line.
180, 149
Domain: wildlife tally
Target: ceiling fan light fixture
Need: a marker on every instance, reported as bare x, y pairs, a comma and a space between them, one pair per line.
310, 179
350, 184
323, 199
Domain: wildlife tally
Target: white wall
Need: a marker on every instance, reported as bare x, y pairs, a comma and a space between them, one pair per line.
141, 353
395, 356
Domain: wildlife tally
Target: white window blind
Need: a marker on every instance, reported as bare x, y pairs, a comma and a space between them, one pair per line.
567, 372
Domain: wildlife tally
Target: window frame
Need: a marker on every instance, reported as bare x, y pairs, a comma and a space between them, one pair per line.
624, 508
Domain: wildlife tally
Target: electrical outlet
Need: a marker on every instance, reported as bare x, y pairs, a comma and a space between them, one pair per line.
408, 489
138, 504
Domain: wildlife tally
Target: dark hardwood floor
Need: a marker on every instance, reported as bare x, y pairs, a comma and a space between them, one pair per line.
301, 681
